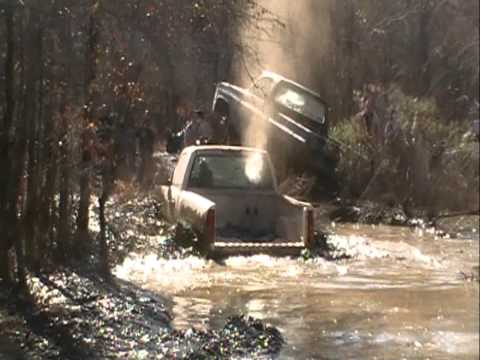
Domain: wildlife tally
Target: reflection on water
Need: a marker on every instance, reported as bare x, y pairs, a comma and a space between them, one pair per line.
399, 296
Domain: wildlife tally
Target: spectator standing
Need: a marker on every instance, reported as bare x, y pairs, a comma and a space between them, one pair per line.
198, 129
374, 110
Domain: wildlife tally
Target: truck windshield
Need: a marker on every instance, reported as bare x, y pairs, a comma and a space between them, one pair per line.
242, 171
301, 102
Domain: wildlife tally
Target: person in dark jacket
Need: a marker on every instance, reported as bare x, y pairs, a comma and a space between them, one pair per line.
198, 131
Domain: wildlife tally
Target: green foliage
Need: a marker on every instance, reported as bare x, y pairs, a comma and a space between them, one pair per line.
422, 117
412, 156
357, 149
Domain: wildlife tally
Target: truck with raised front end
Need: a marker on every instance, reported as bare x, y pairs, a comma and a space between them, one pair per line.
293, 117
228, 196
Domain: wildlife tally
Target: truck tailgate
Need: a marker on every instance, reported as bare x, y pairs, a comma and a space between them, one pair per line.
220, 249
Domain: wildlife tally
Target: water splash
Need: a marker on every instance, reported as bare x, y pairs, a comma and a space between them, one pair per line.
361, 248
175, 274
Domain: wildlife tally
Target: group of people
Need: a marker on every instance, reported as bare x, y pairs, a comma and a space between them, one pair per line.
378, 118
198, 128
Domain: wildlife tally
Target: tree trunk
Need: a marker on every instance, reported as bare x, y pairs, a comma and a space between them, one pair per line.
9, 67
5, 241
107, 185
5, 264
63, 234
16, 165
419, 43
47, 206
83, 236
33, 54
348, 56
104, 266
423, 47
31, 211
14, 199
63, 226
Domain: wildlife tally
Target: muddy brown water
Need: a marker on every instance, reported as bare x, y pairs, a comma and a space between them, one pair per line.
403, 294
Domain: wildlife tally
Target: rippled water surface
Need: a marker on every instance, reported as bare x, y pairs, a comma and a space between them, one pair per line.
403, 294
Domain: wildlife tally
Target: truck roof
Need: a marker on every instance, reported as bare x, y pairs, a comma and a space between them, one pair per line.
278, 78
221, 148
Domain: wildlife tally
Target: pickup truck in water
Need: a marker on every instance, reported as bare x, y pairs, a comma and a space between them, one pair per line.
293, 116
228, 196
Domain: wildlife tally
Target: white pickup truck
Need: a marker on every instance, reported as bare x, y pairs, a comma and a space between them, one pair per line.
228, 196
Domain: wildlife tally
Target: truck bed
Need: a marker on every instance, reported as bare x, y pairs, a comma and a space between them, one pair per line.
254, 220
231, 210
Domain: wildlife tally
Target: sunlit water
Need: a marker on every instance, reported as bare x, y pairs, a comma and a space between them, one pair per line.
401, 295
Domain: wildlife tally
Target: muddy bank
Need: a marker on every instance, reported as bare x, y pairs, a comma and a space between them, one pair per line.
453, 225
81, 316
76, 314
368, 212
69, 315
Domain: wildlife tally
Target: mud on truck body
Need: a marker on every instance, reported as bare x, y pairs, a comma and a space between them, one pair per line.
293, 116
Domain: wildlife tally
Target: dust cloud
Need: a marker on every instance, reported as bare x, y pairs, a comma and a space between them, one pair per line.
294, 31
280, 41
